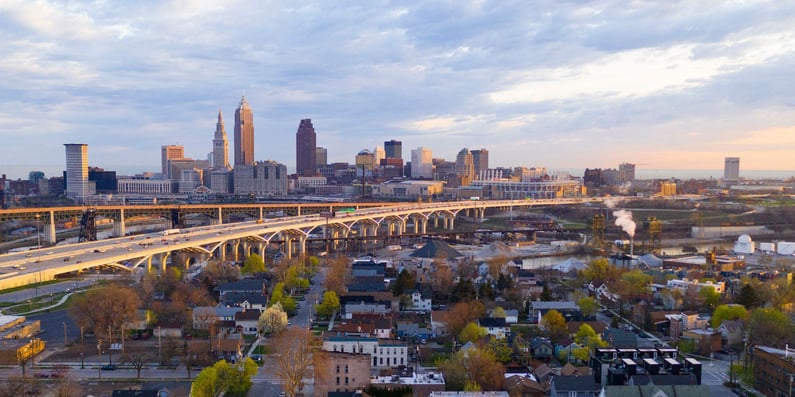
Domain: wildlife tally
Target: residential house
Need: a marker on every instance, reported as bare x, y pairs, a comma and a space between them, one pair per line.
245, 300
685, 321
571, 370
732, 334
413, 330
227, 347
385, 353
422, 385
524, 386
541, 348
495, 327
247, 286
568, 309
383, 327
469, 394
421, 300
574, 386
248, 321
620, 338
707, 341
376, 307
168, 330
653, 390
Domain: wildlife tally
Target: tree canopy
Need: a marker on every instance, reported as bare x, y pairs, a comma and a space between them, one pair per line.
232, 379
106, 307
728, 312
253, 264
471, 333
273, 319
555, 325
329, 305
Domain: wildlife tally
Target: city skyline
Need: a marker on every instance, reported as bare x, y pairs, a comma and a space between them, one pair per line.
562, 86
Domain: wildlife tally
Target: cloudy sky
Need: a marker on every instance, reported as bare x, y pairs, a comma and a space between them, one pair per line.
560, 84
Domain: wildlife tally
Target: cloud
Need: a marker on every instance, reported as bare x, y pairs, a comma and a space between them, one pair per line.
558, 84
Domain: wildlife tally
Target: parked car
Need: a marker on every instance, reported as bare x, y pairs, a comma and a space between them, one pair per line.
109, 367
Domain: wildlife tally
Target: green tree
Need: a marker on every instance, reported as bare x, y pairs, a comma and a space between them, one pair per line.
635, 283
748, 297
499, 347
486, 291
405, 282
296, 277
474, 366
588, 306
471, 333
555, 325
769, 326
709, 297
330, 304
278, 296
727, 313
253, 264
233, 380
599, 271
498, 312
463, 291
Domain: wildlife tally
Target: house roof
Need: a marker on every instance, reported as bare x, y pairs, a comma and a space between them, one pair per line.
435, 248
235, 298
492, 322
652, 390
660, 380
245, 284
537, 341
523, 383
575, 383
556, 305
619, 338
571, 370
247, 315
597, 326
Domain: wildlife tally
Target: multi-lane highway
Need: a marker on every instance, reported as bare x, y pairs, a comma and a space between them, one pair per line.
32, 266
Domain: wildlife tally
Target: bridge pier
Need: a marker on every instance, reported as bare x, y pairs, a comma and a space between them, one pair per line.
163, 258
49, 232
119, 227
288, 247
452, 222
302, 245
436, 221
236, 250
220, 216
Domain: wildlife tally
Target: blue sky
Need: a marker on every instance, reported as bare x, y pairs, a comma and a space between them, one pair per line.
560, 84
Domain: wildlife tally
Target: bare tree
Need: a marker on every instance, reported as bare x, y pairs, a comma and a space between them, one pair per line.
13, 387
294, 357
137, 360
68, 388
105, 308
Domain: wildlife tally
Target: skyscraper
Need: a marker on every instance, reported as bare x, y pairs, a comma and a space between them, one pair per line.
170, 152
305, 149
731, 169
464, 167
378, 155
480, 158
321, 156
77, 186
244, 134
628, 171
393, 149
220, 145
422, 163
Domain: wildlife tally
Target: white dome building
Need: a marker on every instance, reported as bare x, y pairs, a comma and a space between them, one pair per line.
744, 245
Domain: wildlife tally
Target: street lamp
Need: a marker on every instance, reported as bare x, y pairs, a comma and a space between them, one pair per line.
64, 333
99, 364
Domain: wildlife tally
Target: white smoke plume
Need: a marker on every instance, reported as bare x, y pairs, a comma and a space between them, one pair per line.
611, 202
624, 219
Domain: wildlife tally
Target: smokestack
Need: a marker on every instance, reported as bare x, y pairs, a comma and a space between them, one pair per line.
631, 248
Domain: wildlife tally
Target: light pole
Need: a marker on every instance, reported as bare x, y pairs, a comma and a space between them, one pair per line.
99, 364
64, 333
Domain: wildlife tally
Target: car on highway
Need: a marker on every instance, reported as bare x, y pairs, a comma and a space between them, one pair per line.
109, 367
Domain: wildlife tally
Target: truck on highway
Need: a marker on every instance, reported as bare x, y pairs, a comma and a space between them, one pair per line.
170, 231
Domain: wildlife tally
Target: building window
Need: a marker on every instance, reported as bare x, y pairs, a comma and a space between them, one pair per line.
346, 380
338, 380
338, 369
382, 361
346, 368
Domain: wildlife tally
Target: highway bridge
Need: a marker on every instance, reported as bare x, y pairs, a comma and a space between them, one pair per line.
233, 241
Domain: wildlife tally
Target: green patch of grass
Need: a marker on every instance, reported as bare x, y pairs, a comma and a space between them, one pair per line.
29, 286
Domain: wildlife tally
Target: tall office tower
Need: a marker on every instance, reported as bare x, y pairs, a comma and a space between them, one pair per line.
170, 152
244, 134
220, 145
421, 163
378, 155
77, 171
465, 167
305, 149
480, 158
321, 156
731, 169
628, 171
393, 149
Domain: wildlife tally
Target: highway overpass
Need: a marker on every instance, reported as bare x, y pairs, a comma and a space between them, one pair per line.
236, 240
